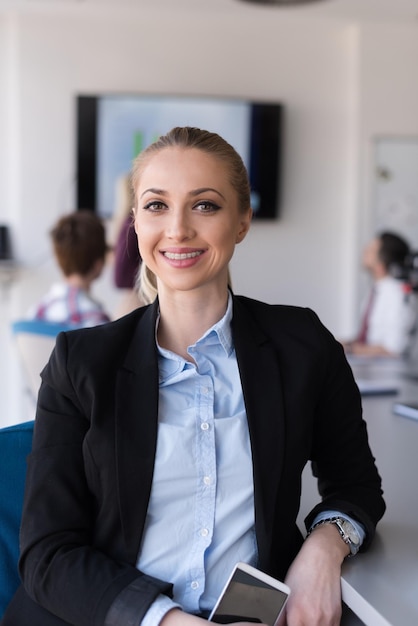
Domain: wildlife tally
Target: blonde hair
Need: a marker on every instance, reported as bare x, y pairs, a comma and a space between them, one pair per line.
124, 202
146, 284
210, 143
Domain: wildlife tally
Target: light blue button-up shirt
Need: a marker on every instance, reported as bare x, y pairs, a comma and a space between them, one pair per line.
200, 519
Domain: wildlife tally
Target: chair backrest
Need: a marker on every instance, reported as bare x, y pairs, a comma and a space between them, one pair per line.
35, 341
15, 445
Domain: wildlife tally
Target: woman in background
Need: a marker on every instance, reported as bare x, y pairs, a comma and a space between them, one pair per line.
389, 312
170, 444
126, 258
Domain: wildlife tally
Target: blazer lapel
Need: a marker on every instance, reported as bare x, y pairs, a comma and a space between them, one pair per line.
260, 378
136, 429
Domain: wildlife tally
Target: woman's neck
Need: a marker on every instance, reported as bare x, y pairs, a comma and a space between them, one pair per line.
185, 317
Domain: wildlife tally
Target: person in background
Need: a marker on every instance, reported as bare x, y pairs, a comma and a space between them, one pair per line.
79, 246
389, 311
126, 257
170, 443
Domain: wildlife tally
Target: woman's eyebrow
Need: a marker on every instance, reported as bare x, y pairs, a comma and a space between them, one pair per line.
197, 192
194, 192
155, 190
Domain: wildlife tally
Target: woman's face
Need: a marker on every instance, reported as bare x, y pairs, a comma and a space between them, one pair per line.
371, 254
187, 219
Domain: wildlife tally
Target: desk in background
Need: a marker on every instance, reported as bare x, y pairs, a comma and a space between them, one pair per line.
381, 585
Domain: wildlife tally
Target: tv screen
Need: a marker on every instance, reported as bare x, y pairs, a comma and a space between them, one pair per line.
113, 129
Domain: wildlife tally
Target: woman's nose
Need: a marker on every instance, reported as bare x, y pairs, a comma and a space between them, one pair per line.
179, 226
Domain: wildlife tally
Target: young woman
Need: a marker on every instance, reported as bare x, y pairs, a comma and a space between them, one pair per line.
170, 444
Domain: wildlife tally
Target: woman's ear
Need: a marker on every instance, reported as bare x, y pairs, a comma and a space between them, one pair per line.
244, 226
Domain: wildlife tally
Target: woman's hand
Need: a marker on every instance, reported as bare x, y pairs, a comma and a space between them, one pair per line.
176, 617
314, 580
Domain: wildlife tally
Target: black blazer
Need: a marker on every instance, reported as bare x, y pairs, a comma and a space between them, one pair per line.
90, 472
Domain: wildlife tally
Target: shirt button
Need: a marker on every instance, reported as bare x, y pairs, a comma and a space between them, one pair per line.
194, 584
204, 532
204, 426
205, 390
207, 480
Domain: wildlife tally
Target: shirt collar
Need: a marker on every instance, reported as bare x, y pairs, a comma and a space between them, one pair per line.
220, 332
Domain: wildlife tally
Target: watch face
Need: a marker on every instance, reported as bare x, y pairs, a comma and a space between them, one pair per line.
350, 531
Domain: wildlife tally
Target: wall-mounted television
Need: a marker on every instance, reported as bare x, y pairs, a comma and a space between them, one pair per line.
112, 129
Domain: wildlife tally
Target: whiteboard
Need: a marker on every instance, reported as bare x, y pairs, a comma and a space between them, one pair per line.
396, 187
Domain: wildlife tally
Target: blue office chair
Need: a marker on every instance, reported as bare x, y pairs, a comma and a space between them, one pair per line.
15, 445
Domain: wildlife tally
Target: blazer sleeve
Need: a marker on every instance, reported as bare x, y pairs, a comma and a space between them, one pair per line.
342, 461
64, 566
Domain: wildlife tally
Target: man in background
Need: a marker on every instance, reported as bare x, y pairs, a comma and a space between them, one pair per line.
389, 311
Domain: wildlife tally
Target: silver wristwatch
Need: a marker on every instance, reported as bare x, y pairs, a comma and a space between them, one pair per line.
346, 529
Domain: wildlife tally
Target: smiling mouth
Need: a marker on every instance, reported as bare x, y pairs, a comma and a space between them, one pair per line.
180, 256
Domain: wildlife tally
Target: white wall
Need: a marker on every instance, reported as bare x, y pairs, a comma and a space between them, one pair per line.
3, 73
328, 75
301, 256
389, 93
388, 105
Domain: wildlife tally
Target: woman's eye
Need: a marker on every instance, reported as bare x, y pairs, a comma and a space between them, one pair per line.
207, 207
154, 205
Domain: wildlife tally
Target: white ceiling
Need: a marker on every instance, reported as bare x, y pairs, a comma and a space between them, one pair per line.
351, 10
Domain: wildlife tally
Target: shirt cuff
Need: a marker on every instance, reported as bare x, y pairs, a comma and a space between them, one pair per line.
160, 607
357, 525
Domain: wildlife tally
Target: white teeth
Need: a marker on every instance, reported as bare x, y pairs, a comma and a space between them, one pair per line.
183, 255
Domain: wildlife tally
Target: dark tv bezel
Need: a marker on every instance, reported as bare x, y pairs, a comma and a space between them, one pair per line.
265, 161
